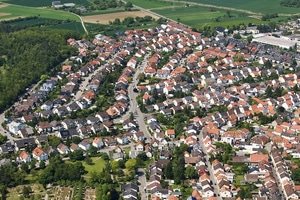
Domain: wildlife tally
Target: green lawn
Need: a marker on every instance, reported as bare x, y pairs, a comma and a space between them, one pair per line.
258, 6
14, 11
98, 165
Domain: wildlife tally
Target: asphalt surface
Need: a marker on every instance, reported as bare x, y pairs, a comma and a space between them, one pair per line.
134, 108
209, 167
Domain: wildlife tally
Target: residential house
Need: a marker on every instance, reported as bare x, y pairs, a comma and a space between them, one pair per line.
24, 157
170, 133
39, 154
139, 136
84, 145
15, 126
139, 146
98, 142
25, 132
21, 144
103, 116
63, 149
130, 191
74, 147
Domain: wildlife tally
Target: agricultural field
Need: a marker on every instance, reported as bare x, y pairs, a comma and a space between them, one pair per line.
106, 18
74, 26
14, 11
99, 12
44, 3
257, 6
197, 16
150, 4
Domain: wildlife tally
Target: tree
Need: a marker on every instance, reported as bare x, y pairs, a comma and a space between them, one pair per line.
179, 170
26, 191
228, 13
237, 36
76, 155
114, 166
88, 160
93, 151
142, 156
191, 172
296, 175
128, 21
42, 165
269, 92
25, 168
296, 88
76, 140
117, 21
128, 6
168, 171
44, 77
3, 191
54, 141
249, 38
3, 139
130, 164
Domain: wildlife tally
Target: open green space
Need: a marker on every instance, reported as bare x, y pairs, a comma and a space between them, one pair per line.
150, 4
197, 16
97, 166
257, 6
14, 11
34, 3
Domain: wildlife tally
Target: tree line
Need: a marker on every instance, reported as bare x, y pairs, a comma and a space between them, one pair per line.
290, 3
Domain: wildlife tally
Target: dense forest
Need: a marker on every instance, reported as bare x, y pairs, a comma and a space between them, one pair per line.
27, 54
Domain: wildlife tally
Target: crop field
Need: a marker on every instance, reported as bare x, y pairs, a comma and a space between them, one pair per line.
197, 16
150, 4
105, 18
257, 6
74, 26
30, 22
43, 3
99, 12
14, 11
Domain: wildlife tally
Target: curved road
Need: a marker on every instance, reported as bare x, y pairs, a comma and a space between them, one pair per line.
82, 22
133, 103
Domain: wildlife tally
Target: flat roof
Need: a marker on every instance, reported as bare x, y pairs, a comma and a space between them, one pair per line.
284, 43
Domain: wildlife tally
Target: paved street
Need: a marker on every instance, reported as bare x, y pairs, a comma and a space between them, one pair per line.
133, 103
209, 167
142, 180
10, 138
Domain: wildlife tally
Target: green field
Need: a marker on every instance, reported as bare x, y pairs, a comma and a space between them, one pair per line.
14, 11
257, 6
198, 17
98, 165
75, 26
150, 4
107, 11
43, 3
